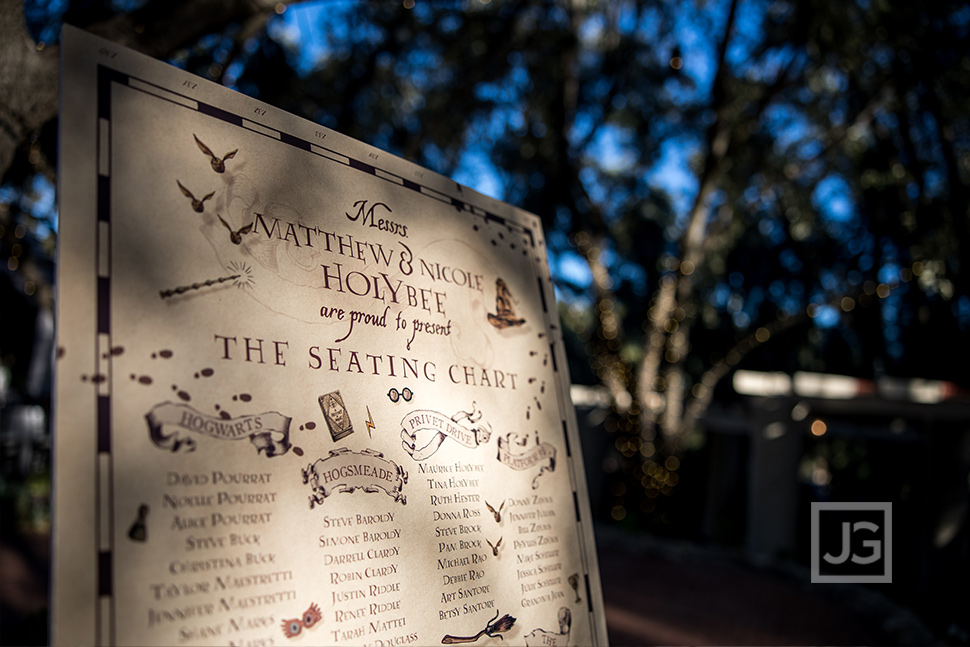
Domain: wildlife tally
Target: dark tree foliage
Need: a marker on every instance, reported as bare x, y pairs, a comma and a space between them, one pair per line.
818, 220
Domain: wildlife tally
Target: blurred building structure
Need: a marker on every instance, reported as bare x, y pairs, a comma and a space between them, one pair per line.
779, 442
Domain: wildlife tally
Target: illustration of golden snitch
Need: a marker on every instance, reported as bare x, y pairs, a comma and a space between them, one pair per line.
496, 513
236, 236
311, 616
494, 546
218, 165
197, 203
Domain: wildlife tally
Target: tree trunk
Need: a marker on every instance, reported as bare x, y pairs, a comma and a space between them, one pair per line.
29, 70
28, 82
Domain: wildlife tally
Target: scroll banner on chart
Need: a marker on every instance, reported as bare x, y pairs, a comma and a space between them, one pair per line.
510, 455
268, 432
544, 638
347, 471
464, 427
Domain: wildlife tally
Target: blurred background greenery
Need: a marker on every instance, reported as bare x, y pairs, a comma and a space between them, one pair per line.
778, 187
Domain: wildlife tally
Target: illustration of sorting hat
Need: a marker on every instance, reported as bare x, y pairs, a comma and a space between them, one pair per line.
504, 316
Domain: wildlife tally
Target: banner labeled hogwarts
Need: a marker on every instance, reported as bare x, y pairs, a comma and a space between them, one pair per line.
268, 432
307, 392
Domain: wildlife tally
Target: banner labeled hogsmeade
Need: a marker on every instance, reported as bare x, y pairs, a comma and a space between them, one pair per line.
346, 471
524, 459
268, 432
464, 427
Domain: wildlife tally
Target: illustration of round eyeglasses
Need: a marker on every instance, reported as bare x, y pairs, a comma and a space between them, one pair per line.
310, 618
406, 393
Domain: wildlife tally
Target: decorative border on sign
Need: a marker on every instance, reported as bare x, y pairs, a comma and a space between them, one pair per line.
107, 80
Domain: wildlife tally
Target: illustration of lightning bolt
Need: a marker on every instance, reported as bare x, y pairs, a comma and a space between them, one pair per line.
369, 423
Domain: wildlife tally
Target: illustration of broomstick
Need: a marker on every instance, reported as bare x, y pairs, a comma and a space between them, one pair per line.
491, 629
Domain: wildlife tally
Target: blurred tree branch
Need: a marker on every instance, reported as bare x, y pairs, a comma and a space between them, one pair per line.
665, 396
28, 82
825, 146
29, 70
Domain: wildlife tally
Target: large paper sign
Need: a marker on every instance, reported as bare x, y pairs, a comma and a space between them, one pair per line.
307, 392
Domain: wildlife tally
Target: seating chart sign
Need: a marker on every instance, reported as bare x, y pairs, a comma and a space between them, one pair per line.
307, 392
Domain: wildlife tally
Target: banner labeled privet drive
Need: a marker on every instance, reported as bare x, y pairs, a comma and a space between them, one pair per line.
307, 392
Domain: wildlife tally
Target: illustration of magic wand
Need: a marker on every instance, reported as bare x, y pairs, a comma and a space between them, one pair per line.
491, 629
182, 289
